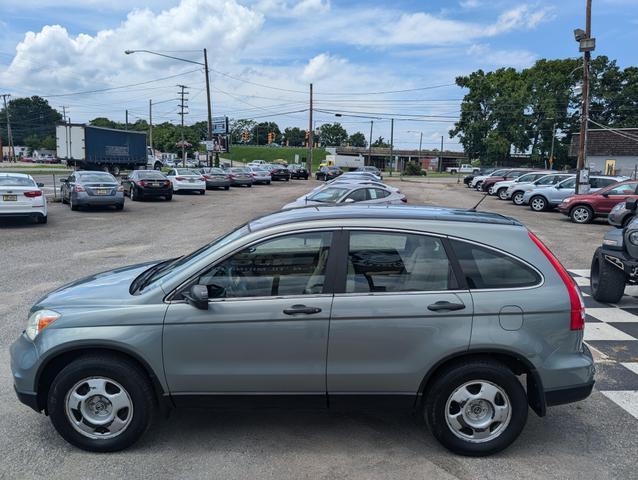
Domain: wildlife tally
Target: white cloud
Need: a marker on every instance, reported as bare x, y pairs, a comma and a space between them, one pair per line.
470, 3
502, 58
283, 8
322, 66
56, 59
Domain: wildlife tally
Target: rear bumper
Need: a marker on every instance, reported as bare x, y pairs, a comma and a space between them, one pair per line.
189, 186
241, 181
217, 183
568, 395
156, 192
30, 399
94, 200
24, 213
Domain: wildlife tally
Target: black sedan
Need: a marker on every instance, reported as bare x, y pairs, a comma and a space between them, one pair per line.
142, 184
328, 173
298, 171
279, 172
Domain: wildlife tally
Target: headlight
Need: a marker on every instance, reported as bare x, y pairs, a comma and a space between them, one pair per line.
40, 320
633, 238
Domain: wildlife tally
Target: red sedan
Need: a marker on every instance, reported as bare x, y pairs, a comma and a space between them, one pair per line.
584, 208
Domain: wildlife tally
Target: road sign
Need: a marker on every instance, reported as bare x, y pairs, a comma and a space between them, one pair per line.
220, 125
210, 145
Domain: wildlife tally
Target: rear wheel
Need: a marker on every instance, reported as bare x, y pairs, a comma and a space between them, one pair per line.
101, 403
517, 198
607, 280
502, 193
538, 203
168, 198
581, 214
132, 195
202, 192
477, 408
226, 187
119, 207
72, 204
42, 219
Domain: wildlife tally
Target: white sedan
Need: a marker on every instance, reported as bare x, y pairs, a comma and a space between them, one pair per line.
21, 196
185, 179
349, 193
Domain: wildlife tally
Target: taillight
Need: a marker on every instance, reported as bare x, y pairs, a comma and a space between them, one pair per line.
33, 194
180, 179
167, 183
231, 176
79, 188
577, 321
206, 177
254, 174
120, 188
404, 200
141, 183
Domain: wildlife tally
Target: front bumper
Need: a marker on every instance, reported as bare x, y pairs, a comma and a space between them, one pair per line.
620, 259
24, 366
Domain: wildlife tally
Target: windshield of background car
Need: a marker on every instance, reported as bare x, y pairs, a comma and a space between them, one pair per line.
16, 182
328, 195
186, 171
217, 171
96, 177
528, 177
546, 180
569, 183
151, 175
498, 173
182, 263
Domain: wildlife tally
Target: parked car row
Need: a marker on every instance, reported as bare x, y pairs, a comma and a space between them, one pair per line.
547, 190
330, 172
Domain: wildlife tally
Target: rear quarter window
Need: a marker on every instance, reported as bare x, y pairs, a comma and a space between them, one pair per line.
485, 268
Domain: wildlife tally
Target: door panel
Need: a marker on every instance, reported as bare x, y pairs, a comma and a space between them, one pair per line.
247, 345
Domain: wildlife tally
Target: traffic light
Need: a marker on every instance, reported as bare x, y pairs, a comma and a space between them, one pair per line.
245, 136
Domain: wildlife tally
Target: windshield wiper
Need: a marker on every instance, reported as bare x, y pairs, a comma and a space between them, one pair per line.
144, 278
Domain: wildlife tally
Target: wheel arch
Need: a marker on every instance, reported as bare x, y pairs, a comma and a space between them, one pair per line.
515, 363
56, 362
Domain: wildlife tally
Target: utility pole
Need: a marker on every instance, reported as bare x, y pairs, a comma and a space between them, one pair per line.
64, 107
182, 111
551, 153
150, 126
441, 156
370, 144
586, 45
420, 145
392, 167
12, 153
127, 119
310, 137
209, 133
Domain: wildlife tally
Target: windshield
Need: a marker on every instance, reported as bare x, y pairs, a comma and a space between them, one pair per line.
16, 182
569, 183
328, 195
528, 177
150, 175
212, 170
184, 262
498, 173
186, 171
96, 177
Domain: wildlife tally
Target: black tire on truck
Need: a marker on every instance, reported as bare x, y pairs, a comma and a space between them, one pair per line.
607, 280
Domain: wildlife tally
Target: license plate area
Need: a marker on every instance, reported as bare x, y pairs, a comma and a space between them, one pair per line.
102, 191
9, 198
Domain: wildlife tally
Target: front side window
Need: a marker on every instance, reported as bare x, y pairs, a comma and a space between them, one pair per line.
357, 195
571, 183
328, 195
601, 182
488, 269
397, 262
289, 265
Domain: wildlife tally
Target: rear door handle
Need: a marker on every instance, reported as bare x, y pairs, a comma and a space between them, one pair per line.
296, 309
443, 306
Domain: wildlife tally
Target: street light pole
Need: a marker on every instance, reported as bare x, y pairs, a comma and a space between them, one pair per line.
586, 45
209, 135
370, 144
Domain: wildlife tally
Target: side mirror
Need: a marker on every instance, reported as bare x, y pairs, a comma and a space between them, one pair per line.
40, 184
216, 291
631, 204
197, 297
606, 195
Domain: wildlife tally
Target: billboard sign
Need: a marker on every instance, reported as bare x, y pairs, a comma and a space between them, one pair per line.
220, 125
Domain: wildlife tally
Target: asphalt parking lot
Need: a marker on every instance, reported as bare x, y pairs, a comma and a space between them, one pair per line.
592, 439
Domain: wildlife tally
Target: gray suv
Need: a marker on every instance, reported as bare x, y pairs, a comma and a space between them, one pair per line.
465, 317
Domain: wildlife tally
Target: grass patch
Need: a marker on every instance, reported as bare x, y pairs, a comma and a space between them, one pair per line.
248, 153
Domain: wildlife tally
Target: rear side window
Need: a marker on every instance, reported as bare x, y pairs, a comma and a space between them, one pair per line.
376, 193
484, 268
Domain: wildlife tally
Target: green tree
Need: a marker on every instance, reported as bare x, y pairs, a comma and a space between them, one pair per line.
261, 130
32, 142
380, 142
295, 136
357, 140
238, 127
29, 116
48, 143
105, 123
332, 134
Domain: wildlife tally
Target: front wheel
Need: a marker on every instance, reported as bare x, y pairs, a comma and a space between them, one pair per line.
168, 198
202, 192
477, 408
479, 186
502, 193
607, 280
517, 198
581, 214
101, 403
538, 204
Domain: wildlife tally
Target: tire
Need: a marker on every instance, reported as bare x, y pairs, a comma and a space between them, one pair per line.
168, 198
157, 166
115, 170
120, 379
581, 214
538, 203
72, 204
249, 185
202, 192
64, 200
479, 186
460, 382
132, 195
268, 182
119, 207
502, 193
227, 187
42, 219
517, 198
607, 281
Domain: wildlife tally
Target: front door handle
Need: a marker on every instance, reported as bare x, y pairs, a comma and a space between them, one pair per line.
443, 306
296, 309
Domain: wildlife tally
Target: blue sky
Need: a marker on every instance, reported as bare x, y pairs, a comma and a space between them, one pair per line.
54, 47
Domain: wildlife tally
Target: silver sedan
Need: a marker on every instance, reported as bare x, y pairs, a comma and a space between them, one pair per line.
348, 193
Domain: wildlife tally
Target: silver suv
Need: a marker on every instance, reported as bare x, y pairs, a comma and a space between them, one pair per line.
463, 316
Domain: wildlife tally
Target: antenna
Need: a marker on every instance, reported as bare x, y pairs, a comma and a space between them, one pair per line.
473, 209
